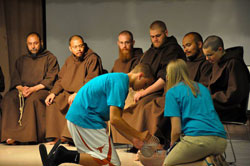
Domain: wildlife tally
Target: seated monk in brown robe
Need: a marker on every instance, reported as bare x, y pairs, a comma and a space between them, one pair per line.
143, 115
229, 83
23, 107
80, 67
128, 58
199, 68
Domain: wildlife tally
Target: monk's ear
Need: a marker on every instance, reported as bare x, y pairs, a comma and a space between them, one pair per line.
41, 42
166, 32
199, 44
70, 49
133, 43
220, 49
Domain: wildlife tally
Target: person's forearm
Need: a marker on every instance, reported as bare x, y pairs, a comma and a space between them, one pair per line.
126, 130
123, 127
175, 129
39, 87
174, 137
158, 85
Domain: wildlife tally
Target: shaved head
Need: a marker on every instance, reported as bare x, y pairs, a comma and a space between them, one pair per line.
75, 37
126, 32
34, 34
214, 42
196, 35
158, 25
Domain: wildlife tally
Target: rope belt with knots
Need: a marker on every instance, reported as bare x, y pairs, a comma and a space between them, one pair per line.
21, 106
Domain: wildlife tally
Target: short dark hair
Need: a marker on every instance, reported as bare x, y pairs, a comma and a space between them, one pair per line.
127, 33
214, 42
144, 68
158, 24
34, 33
196, 35
77, 36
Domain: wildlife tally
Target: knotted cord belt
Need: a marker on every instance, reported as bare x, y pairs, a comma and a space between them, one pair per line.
21, 106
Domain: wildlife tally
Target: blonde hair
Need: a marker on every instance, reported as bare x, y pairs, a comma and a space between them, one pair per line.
177, 72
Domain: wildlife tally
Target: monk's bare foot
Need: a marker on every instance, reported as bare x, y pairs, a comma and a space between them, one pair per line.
10, 141
63, 140
137, 156
53, 142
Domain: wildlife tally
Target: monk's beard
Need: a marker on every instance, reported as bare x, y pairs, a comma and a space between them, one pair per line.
79, 58
34, 55
193, 57
125, 55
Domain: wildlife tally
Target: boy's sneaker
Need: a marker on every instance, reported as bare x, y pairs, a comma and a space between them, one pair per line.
48, 159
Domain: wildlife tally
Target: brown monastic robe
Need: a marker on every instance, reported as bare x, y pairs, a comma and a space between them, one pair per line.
146, 113
229, 85
126, 67
200, 70
42, 69
73, 75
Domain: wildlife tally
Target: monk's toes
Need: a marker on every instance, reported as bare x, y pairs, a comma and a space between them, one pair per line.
10, 141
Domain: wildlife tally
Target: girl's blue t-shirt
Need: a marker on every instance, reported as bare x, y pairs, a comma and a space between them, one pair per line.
90, 108
198, 115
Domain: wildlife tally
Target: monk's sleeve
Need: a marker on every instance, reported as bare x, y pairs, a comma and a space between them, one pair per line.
172, 53
51, 72
238, 87
136, 61
2, 85
16, 75
93, 67
205, 73
57, 88
162, 72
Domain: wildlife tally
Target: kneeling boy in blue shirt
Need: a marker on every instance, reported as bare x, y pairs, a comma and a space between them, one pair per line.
100, 100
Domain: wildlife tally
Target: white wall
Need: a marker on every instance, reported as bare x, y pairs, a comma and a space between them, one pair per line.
99, 22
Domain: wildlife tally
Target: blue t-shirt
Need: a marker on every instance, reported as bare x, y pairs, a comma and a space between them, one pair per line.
198, 115
90, 108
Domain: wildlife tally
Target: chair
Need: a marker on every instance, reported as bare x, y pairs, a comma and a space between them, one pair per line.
245, 124
229, 136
